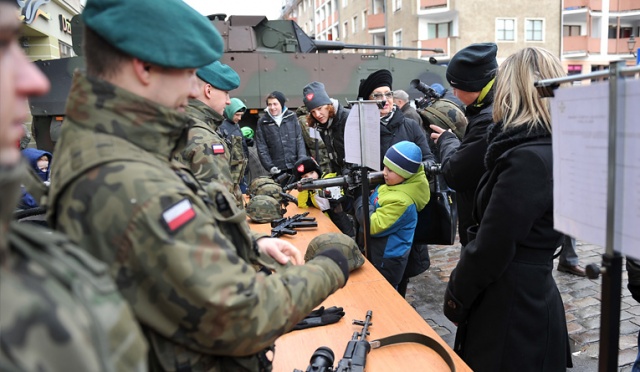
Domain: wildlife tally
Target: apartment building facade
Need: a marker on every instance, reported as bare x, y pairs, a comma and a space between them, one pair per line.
596, 32
446, 24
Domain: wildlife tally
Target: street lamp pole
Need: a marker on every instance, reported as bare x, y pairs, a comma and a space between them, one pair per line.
631, 44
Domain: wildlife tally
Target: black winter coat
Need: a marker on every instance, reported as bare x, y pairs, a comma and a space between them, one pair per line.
463, 162
502, 292
333, 137
401, 128
280, 146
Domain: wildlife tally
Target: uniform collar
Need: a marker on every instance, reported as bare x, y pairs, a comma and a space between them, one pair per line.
200, 111
102, 107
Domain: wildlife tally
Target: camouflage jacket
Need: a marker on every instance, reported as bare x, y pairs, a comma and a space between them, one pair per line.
181, 256
59, 308
239, 154
206, 154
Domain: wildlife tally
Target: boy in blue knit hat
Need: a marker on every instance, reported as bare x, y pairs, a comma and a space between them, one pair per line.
393, 209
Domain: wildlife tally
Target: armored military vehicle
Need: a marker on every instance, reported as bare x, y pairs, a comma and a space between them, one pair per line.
268, 55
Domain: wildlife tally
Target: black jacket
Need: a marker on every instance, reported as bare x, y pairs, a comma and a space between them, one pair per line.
228, 129
502, 292
401, 128
333, 137
280, 146
463, 162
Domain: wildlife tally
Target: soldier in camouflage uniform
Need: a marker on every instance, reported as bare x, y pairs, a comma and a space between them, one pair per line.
181, 256
59, 308
207, 154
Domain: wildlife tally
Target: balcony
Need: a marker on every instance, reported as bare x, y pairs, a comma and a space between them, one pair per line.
624, 5
432, 3
580, 44
576, 4
375, 21
442, 43
618, 46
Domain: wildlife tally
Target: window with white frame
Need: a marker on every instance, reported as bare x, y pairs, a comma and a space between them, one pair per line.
534, 29
345, 28
505, 29
397, 5
354, 26
344, 3
364, 19
439, 30
397, 38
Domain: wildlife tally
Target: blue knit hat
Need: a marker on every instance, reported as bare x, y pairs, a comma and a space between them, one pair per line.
404, 158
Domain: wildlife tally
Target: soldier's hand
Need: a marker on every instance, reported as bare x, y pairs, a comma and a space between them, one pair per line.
280, 250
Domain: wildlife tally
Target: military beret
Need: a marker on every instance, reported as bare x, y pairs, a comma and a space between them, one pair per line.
219, 75
140, 29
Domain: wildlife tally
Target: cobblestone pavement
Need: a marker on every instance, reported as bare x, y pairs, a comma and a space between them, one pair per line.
581, 298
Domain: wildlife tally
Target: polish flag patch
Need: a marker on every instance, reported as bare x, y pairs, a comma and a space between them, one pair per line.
178, 215
217, 148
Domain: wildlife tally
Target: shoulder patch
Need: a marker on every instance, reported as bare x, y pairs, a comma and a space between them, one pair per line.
178, 215
217, 148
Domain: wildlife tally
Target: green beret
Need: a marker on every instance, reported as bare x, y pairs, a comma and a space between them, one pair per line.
220, 76
169, 33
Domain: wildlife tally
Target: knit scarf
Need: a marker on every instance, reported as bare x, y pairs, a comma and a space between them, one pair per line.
387, 118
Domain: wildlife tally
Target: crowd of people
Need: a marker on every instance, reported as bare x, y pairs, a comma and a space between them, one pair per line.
149, 262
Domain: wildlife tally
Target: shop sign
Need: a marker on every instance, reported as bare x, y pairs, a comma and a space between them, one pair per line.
30, 10
65, 24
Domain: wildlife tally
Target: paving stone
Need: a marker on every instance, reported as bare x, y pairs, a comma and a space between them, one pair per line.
628, 342
627, 357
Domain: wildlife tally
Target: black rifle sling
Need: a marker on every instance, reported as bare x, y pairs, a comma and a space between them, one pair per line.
417, 338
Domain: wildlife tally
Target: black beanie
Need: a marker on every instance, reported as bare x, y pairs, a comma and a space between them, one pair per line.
314, 96
304, 166
473, 67
279, 96
380, 78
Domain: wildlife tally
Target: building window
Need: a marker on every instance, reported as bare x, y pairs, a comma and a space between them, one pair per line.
438, 30
534, 30
345, 28
397, 38
65, 50
570, 30
364, 19
574, 70
625, 32
505, 29
397, 5
329, 10
345, 3
355, 24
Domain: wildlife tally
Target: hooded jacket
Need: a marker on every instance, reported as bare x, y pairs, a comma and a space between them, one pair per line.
393, 218
32, 156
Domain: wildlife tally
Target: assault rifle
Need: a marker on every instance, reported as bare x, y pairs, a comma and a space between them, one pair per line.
355, 354
350, 181
286, 225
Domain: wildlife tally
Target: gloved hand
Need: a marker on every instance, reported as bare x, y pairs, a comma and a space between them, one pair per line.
320, 317
274, 170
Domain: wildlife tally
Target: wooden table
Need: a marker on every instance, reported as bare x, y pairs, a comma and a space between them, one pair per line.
365, 290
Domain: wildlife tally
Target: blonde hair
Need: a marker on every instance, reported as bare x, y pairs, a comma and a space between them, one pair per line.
517, 101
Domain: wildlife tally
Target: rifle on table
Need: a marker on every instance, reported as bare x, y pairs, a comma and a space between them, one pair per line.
355, 354
286, 225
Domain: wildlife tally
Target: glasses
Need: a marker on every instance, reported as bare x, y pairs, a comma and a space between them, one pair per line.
379, 96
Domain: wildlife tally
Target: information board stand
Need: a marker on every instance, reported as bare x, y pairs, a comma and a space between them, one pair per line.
611, 268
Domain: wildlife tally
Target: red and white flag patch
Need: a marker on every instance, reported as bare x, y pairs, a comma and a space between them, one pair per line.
178, 215
310, 96
217, 148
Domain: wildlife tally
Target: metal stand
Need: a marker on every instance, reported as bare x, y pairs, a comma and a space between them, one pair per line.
611, 269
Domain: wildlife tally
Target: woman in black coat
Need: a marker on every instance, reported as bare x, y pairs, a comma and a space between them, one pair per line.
502, 293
